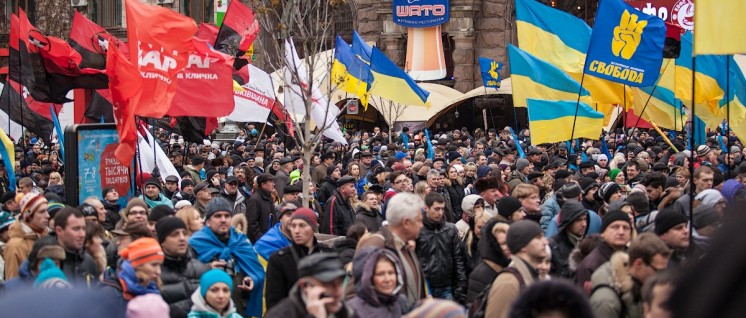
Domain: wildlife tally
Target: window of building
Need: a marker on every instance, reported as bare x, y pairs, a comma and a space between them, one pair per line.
199, 10
107, 13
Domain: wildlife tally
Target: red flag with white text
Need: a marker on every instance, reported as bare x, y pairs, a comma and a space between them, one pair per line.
160, 43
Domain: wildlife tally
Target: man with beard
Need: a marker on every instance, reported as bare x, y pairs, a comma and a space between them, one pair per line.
220, 245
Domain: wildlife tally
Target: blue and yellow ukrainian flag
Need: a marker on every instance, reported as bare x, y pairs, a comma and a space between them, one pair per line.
552, 121
662, 107
360, 48
562, 40
490, 70
710, 82
392, 83
350, 73
8, 152
720, 27
537, 79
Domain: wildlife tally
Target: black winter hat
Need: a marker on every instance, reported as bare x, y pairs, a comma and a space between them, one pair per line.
570, 190
166, 226
153, 181
612, 217
667, 219
160, 212
507, 206
521, 233
104, 192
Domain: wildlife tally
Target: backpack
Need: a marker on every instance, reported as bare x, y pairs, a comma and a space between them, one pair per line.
623, 312
478, 307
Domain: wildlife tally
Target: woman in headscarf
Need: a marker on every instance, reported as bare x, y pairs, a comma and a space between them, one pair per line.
379, 279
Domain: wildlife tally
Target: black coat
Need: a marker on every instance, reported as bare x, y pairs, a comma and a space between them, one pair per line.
338, 216
180, 278
80, 266
560, 244
293, 306
442, 256
456, 192
493, 260
327, 189
282, 271
259, 214
112, 215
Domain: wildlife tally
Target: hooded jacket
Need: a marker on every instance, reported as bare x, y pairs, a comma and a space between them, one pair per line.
367, 301
621, 293
326, 191
560, 244
238, 201
442, 256
22, 239
200, 308
180, 277
493, 261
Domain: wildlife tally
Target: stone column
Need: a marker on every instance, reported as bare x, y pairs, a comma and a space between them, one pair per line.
392, 34
463, 60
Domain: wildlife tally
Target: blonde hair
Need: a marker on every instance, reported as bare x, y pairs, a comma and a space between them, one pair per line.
187, 214
420, 188
524, 190
469, 238
58, 176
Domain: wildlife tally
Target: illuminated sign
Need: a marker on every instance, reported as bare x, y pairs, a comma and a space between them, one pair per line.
421, 13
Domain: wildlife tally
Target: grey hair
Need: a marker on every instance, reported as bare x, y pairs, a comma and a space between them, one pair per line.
433, 172
403, 206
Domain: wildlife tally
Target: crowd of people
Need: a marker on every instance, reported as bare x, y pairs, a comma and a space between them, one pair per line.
480, 223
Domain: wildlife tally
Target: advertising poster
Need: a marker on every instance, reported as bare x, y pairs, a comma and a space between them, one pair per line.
98, 167
677, 12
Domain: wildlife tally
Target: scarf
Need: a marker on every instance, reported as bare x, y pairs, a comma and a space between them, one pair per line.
271, 242
574, 239
131, 288
162, 200
208, 247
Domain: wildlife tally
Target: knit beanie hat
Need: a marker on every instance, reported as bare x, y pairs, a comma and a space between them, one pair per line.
613, 173
213, 277
5, 220
159, 212
709, 197
704, 216
667, 219
186, 183
153, 181
731, 188
521, 164
217, 205
307, 215
607, 190
30, 203
612, 217
147, 306
570, 190
507, 206
50, 276
135, 202
142, 250
330, 170
106, 191
521, 233
167, 225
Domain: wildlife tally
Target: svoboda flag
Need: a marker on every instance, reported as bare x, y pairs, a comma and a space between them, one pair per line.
626, 45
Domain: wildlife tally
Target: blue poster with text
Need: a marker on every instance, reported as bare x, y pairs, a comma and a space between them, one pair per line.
421, 13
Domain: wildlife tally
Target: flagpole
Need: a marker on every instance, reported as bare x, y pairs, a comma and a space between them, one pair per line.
577, 106
693, 150
650, 96
727, 109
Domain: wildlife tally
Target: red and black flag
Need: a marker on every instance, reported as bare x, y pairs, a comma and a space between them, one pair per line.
672, 46
91, 41
21, 107
195, 129
283, 125
238, 31
99, 109
25, 65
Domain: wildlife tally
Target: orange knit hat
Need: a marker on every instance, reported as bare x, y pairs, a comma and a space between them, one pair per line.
142, 250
